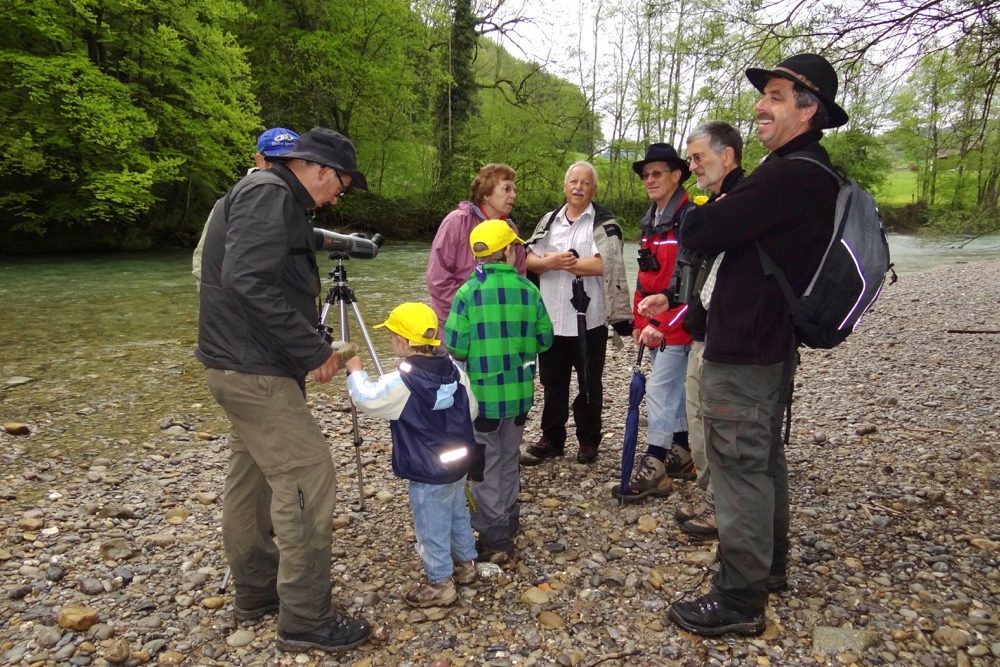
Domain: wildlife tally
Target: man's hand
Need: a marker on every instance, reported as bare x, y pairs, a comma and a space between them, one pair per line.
651, 336
654, 304
560, 261
354, 364
325, 373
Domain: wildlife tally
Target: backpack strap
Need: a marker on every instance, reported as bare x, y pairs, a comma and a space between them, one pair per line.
772, 269
766, 263
830, 169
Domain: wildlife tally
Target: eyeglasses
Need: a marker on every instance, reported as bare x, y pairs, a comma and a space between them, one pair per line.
655, 174
343, 187
696, 158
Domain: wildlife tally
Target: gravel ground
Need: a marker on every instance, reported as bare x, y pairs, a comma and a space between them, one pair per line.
895, 540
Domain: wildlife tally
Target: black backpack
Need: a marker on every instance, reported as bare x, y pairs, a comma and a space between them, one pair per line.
850, 274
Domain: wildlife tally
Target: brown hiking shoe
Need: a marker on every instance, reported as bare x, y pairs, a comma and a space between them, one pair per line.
426, 594
679, 463
702, 526
541, 450
687, 512
650, 479
465, 573
587, 453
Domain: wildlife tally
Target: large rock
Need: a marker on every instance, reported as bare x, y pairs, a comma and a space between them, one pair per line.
827, 640
76, 617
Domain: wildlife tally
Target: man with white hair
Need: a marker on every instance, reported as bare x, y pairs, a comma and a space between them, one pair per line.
578, 239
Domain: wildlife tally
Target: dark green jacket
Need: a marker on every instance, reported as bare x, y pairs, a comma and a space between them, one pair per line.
260, 281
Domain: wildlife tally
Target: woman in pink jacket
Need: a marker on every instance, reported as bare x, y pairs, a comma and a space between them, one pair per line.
451, 262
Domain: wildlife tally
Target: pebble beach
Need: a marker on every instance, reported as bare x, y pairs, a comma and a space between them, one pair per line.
895, 536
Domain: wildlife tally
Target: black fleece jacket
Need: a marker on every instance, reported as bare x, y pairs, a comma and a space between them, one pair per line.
788, 207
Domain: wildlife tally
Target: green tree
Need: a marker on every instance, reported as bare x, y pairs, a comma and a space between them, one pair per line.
363, 69
457, 103
114, 108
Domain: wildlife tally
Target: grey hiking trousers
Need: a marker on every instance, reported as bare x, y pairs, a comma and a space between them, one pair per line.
743, 407
498, 512
281, 478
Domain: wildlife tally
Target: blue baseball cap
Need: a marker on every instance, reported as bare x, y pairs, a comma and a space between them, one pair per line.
276, 141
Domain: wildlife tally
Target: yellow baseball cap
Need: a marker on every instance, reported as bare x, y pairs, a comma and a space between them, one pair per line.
494, 234
415, 322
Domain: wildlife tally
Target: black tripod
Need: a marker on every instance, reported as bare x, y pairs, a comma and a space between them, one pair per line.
342, 294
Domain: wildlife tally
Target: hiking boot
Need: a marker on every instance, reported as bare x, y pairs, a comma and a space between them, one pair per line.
489, 553
650, 479
464, 572
541, 450
426, 594
244, 614
777, 583
679, 463
702, 526
587, 453
687, 512
339, 634
710, 616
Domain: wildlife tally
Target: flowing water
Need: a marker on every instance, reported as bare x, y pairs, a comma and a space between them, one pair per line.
95, 351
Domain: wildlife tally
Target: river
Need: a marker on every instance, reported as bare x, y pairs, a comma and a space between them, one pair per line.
95, 351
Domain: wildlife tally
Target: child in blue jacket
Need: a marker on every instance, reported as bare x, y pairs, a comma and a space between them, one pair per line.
430, 408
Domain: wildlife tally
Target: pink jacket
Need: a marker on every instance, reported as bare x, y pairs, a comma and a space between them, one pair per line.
451, 261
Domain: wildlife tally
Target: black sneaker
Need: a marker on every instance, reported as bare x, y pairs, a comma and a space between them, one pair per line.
339, 634
710, 616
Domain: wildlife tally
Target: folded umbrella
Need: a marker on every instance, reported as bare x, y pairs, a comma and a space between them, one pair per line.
581, 302
636, 392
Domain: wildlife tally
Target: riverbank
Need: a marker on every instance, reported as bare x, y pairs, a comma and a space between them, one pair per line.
895, 539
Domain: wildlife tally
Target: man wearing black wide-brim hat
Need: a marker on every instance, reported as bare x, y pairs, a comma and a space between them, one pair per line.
258, 339
787, 207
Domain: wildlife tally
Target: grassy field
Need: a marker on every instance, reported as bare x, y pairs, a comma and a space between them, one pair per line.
900, 189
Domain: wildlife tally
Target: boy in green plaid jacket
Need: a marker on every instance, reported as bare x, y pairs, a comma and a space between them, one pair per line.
497, 325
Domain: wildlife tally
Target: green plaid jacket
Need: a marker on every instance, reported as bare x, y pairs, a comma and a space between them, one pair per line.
498, 325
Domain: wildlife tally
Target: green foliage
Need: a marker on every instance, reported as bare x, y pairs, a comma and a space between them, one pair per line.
970, 223
531, 120
456, 104
862, 156
115, 108
364, 69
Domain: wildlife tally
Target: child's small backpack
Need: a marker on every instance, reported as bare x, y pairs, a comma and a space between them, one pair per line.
851, 274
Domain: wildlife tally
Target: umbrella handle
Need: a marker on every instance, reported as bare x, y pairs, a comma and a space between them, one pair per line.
575, 253
638, 362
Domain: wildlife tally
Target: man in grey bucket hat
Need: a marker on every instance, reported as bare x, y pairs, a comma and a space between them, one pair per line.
785, 208
258, 340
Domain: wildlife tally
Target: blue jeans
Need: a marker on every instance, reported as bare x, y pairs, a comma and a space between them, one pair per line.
443, 527
665, 395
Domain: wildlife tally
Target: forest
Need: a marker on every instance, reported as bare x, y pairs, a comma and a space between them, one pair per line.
126, 119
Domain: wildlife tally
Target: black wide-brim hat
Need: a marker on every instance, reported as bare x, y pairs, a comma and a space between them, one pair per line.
331, 149
812, 72
663, 153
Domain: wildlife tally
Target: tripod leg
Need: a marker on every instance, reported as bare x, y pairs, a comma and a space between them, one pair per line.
357, 455
368, 338
355, 429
